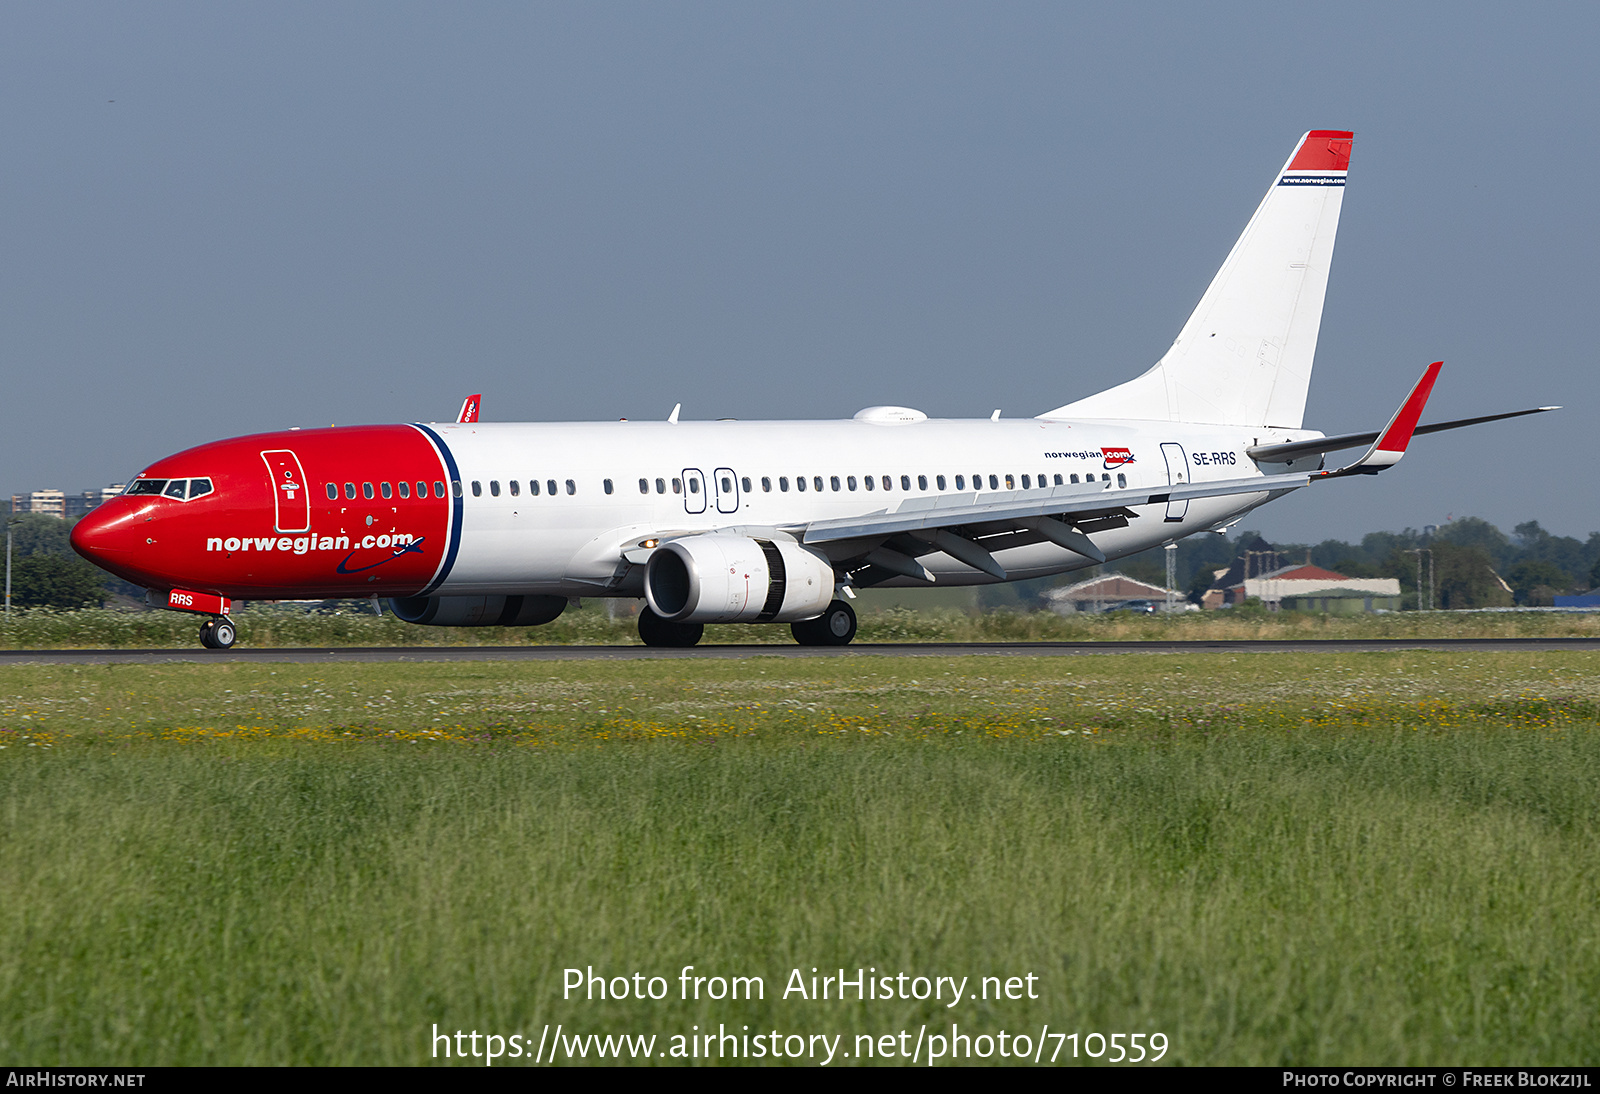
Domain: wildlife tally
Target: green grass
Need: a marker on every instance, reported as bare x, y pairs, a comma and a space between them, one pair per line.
1272, 859
288, 625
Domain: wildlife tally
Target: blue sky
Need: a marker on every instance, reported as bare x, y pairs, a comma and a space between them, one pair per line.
225, 218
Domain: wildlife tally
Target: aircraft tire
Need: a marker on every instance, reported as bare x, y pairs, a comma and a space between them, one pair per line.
223, 635
207, 630
834, 627
655, 631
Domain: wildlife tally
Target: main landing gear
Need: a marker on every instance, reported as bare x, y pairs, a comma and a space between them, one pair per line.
656, 631
218, 634
834, 627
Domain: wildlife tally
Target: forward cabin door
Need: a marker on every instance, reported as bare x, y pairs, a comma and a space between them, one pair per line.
291, 499
694, 490
1177, 475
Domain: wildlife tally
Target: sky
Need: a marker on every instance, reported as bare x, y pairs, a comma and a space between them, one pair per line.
219, 219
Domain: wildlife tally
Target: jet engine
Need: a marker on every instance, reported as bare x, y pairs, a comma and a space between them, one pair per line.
737, 579
478, 611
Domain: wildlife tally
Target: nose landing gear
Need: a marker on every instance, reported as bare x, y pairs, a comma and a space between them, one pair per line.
218, 633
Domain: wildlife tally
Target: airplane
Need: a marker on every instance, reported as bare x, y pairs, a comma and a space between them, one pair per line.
475, 523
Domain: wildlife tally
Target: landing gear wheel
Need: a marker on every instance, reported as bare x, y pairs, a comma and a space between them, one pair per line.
217, 634
834, 627
656, 631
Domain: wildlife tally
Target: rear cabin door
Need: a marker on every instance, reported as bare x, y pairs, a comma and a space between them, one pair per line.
290, 498
1177, 475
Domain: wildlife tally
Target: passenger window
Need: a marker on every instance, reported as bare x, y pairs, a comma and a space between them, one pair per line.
533, 488
1074, 480
494, 487
745, 482
386, 490
799, 483
550, 487
867, 479
644, 486
1060, 483
961, 482
404, 488
677, 486
1122, 481
816, 482
477, 488
833, 480
455, 487
515, 487
606, 485
661, 487
333, 492
766, 484
438, 490
422, 489
350, 490
939, 481
888, 482
366, 490
1105, 478
572, 487
694, 486
1025, 482
727, 484
994, 481
922, 483
783, 483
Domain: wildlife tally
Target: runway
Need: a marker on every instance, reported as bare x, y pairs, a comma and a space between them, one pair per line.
360, 654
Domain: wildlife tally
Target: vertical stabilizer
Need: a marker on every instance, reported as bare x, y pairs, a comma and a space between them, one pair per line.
1244, 357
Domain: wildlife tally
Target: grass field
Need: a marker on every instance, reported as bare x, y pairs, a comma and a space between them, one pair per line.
288, 625
1269, 858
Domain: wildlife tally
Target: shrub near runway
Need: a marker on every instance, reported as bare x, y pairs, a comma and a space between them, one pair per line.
1272, 859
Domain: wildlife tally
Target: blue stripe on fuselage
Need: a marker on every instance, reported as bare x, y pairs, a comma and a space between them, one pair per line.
456, 504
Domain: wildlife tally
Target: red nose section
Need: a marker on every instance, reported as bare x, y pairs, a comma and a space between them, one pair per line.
110, 536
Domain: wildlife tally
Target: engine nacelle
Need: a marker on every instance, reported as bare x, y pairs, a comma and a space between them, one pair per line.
478, 611
737, 579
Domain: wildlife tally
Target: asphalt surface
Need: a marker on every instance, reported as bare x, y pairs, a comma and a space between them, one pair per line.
359, 654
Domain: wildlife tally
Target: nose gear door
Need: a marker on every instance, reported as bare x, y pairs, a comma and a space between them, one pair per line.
291, 499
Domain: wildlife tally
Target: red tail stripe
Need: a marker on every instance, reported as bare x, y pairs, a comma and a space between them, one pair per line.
1323, 150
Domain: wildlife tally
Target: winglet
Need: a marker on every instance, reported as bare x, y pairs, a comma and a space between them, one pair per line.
469, 409
1391, 443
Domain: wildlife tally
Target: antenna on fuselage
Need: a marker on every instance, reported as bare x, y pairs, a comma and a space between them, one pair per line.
673, 417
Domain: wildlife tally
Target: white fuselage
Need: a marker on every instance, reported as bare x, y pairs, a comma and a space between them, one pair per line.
668, 479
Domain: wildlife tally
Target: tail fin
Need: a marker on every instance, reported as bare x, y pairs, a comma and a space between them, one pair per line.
1244, 356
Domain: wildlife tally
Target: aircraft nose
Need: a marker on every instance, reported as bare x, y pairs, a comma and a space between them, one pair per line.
106, 536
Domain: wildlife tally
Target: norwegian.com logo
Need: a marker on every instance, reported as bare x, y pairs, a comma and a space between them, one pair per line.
1116, 457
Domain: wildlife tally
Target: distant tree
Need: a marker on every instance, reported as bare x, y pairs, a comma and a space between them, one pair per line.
38, 534
1479, 533
1464, 577
50, 581
1535, 583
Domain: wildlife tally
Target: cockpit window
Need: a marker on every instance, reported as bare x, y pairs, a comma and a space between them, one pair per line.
148, 486
175, 488
178, 489
199, 488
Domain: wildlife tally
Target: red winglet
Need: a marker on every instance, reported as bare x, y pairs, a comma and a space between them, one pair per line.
1323, 150
469, 409
1398, 435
